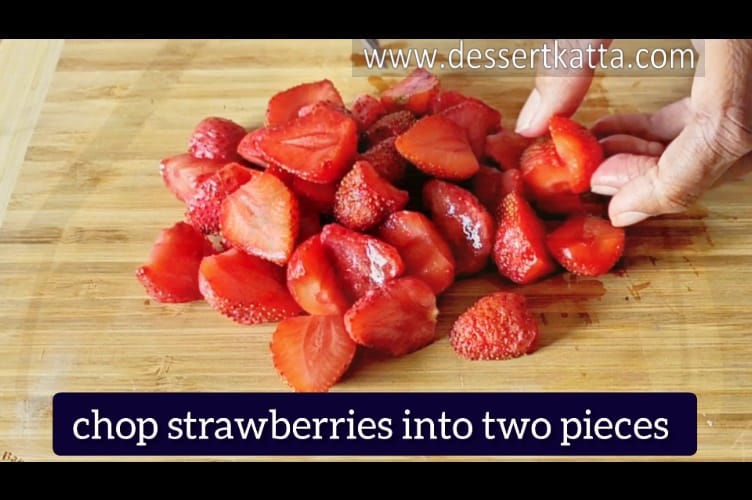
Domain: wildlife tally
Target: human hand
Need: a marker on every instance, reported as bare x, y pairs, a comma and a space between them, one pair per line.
661, 162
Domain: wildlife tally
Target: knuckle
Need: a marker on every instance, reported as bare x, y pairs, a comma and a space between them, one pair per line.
726, 133
674, 196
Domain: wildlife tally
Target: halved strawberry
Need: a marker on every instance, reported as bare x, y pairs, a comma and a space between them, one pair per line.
246, 288
364, 198
363, 262
505, 148
312, 352
578, 149
261, 218
477, 119
438, 147
310, 108
387, 161
183, 174
313, 280
249, 149
543, 171
414, 93
570, 203
318, 196
216, 139
586, 245
318, 147
426, 254
520, 249
445, 99
284, 106
398, 318
465, 223
390, 125
491, 185
204, 206
366, 110
498, 326
280, 173
171, 273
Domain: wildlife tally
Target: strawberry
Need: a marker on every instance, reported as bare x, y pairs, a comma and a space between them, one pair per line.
284, 106
498, 326
261, 218
477, 119
491, 185
313, 281
438, 147
465, 223
542, 169
319, 196
505, 148
183, 174
390, 125
364, 198
445, 99
586, 245
310, 220
318, 147
286, 177
414, 93
424, 251
248, 147
570, 203
387, 161
310, 108
364, 262
216, 139
578, 149
398, 318
203, 207
245, 288
520, 249
366, 110
171, 273
312, 352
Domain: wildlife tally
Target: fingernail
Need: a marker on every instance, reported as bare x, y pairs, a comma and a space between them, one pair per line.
628, 218
529, 110
604, 190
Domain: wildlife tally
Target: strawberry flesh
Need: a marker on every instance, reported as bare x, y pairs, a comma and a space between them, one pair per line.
586, 245
285, 105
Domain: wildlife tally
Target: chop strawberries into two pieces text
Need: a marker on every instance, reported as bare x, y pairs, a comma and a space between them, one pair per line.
345, 224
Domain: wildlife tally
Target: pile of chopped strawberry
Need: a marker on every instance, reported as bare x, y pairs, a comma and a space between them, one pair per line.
345, 225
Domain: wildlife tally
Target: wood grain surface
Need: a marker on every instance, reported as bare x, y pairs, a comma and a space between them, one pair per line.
85, 202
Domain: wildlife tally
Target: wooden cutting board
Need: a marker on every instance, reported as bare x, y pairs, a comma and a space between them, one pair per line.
83, 126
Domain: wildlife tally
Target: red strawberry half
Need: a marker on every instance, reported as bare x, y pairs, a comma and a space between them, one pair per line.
363, 262
171, 273
520, 249
438, 147
506, 148
424, 251
542, 169
261, 218
246, 288
312, 352
465, 223
313, 280
216, 139
498, 326
578, 149
414, 93
477, 119
183, 174
387, 161
318, 147
366, 110
390, 125
249, 149
204, 206
398, 318
284, 106
586, 245
491, 185
364, 198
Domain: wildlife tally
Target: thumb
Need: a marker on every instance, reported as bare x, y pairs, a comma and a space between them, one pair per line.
561, 84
